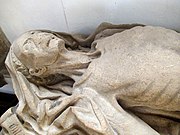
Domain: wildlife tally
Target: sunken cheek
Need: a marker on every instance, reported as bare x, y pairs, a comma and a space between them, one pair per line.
53, 44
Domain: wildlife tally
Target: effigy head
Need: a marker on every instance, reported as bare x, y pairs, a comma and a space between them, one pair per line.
43, 54
37, 50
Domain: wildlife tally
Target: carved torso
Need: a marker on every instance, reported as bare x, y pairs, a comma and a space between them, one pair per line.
128, 84
141, 76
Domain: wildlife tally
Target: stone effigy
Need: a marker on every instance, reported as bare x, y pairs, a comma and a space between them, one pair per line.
120, 80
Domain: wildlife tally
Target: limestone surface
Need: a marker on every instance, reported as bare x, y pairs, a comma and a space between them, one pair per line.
120, 80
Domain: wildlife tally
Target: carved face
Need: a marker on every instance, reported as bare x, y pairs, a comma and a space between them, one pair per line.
44, 54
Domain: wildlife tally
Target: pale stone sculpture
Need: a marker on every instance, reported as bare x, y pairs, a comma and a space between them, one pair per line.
114, 82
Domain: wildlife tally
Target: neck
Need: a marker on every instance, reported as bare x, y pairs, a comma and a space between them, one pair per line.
76, 72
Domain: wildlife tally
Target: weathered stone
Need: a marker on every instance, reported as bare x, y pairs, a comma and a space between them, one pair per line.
121, 79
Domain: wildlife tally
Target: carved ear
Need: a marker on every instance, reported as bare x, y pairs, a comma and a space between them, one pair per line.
37, 71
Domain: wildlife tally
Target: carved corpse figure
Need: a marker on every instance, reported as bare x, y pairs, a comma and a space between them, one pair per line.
120, 80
